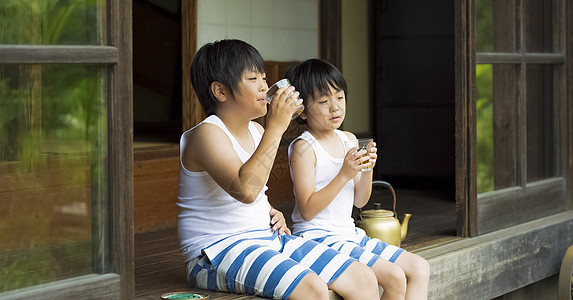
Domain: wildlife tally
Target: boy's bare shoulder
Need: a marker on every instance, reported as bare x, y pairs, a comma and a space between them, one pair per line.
349, 135
203, 141
204, 131
300, 147
298, 142
259, 127
206, 135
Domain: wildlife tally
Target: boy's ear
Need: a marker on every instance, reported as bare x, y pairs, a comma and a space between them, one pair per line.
303, 116
219, 91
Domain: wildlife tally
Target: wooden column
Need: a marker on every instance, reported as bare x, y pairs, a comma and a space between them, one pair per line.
568, 45
192, 111
120, 147
465, 169
330, 32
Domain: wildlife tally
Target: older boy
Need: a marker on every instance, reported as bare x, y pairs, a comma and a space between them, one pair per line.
231, 238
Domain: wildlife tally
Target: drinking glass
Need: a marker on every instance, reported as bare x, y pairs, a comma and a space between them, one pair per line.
361, 144
280, 84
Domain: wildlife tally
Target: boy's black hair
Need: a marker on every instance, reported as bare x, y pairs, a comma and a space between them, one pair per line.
222, 61
313, 77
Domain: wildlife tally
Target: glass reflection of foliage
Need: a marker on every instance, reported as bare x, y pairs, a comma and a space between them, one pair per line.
57, 166
484, 25
69, 109
484, 130
62, 22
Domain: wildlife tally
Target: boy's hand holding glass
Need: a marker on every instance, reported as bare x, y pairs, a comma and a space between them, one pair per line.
369, 146
284, 83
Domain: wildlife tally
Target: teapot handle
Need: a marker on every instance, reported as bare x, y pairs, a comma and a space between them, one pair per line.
388, 186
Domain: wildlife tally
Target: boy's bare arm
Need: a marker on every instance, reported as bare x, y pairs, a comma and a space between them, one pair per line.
209, 149
278, 221
362, 188
311, 202
254, 173
363, 181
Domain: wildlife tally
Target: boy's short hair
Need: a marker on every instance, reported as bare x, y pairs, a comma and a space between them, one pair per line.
222, 61
313, 77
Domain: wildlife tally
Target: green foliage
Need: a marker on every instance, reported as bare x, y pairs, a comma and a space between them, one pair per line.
484, 130
69, 96
62, 22
484, 25
23, 269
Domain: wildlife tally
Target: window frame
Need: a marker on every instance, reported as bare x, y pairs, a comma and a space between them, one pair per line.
506, 207
115, 278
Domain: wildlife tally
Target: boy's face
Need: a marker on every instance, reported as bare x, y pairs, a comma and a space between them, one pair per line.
251, 93
327, 111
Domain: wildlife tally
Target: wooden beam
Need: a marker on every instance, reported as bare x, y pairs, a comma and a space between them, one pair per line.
515, 205
46, 54
517, 58
84, 287
492, 265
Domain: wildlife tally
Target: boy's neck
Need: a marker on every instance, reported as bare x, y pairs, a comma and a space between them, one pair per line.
237, 126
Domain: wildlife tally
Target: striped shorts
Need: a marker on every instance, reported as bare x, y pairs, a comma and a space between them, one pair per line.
265, 265
358, 245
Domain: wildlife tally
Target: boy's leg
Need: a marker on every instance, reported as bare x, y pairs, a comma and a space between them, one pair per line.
417, 272
252, 269
310, 287
392, 279
344, 275
356, 282
414, 268
382, 258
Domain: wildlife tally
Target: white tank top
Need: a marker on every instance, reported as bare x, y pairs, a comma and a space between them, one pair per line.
207, 213
337, 216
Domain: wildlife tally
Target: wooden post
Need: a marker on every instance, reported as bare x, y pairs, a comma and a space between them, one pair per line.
192, 112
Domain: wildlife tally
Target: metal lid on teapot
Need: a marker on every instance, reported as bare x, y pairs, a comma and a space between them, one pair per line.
377, 212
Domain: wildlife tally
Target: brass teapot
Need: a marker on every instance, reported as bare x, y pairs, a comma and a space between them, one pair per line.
382, 224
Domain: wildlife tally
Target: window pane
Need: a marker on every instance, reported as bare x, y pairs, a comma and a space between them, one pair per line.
496, 127
498, 14
539, 25
53, 151
541, 128
54, 22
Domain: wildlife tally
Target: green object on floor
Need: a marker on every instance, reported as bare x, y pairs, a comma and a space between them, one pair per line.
182, 296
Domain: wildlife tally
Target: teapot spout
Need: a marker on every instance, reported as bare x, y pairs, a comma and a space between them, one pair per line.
404, 226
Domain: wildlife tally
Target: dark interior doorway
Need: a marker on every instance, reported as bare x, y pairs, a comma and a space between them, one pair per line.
157, 70
414, 109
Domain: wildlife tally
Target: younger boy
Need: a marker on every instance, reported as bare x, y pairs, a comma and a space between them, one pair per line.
328, 182
230, 236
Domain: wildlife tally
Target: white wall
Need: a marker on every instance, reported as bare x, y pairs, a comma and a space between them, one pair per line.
281, 30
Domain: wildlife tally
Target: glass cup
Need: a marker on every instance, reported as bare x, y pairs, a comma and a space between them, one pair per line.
361, 144
280, 84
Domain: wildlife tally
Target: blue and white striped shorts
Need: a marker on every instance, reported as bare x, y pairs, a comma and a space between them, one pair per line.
265, 265
357, 245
